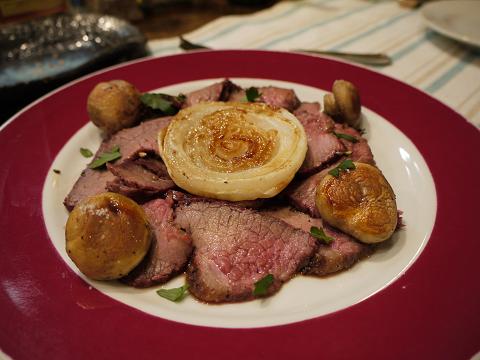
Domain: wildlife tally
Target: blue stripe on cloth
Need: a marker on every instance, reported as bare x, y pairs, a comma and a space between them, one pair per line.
409, 48
450, 73
239, 24
320, 23
274, 17
383, 25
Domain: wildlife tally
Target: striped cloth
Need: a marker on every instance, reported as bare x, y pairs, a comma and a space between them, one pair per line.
442, 67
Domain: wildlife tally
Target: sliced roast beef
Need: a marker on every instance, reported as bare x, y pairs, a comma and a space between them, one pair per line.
360, 149
171, 247
310, 115
236, 247
271, 95
323, 145
295, 218
279, 97
301, 193
141, 138
238, 95
140, 178
131, 141
209, 93
217, 92
323, 148
91, 182
188, 198
342, 253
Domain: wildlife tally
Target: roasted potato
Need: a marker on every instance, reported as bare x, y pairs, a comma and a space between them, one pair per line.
107, 235
114, 105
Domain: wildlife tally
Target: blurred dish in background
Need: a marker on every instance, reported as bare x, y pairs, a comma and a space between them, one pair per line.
458, 20
39, 55
19, 10
125, 9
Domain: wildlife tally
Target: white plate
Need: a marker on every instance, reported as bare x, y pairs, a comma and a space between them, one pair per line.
459, 20
395, 154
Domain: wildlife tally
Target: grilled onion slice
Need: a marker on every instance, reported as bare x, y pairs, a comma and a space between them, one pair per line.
233, 151
360, 202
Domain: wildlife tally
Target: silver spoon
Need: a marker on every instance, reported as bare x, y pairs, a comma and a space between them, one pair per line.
377, 59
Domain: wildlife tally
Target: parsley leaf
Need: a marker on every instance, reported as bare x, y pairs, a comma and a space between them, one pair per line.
344, 166
347, 165
158, 102
320, 234
252, 94
350, 138
262, 285
174, 294
86, 152
335, 172
181, 98
105, 157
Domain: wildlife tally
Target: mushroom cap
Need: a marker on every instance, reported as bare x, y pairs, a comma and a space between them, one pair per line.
360, 202
329, 105
347, 99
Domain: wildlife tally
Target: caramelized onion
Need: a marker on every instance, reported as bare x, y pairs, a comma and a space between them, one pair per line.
233, 151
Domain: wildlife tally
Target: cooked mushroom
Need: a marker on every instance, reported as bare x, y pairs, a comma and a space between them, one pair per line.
360, 202
114, 105
343, 103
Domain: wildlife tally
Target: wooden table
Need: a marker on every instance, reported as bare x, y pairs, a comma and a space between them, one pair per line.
175, 19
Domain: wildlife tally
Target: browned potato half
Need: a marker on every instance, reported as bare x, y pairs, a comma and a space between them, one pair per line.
114, 105
107, 235
360, 202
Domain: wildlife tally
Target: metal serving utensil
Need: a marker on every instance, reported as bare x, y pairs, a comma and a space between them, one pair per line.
375, 59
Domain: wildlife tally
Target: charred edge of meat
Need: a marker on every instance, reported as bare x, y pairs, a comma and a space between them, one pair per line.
335, 159
213, 296
180, 197
228, 88
327, 261
151, 164
135, 279
147, 113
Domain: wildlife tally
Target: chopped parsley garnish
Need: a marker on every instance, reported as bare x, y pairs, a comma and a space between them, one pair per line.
105, 157
56, 171
181, 98
252, 94
344, 166
159, 102
320, 234
262, 285
174, 294
86, 152
350, 138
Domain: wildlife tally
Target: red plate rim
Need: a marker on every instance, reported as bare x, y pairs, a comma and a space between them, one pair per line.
430, 311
